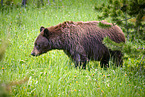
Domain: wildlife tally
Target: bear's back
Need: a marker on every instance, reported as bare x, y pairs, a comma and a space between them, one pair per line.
92, 29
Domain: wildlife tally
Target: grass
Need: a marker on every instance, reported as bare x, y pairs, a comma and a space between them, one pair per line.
53, 74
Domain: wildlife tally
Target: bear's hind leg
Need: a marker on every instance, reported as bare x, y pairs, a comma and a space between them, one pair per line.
117, 58
105, 61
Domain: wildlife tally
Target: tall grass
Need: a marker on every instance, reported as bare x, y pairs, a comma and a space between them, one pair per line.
53, 74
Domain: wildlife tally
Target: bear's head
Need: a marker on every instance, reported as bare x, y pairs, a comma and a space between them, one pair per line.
42, 43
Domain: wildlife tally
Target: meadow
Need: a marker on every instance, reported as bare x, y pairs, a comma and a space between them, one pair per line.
53, 74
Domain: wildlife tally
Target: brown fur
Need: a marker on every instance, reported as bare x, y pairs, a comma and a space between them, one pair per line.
82, 41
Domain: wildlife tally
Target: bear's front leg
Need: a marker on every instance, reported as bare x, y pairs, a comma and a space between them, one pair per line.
84, 65
77, 59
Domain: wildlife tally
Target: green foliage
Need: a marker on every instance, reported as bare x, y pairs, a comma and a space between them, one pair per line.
121, 13
127, 48
104, 25
113, 45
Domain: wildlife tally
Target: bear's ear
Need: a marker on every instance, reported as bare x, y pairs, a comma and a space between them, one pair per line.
41, 28
46, 32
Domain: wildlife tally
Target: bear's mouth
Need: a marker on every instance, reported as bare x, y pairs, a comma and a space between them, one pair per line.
33, 54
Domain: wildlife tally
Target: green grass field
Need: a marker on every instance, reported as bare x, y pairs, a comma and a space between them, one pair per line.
54, 74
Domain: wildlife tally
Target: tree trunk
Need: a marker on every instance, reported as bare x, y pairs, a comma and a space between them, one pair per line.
2, 2
49, 1
24, 2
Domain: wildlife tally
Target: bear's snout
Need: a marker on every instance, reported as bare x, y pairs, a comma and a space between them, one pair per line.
33, 54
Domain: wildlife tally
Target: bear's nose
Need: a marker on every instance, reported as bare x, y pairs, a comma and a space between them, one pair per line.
33, 54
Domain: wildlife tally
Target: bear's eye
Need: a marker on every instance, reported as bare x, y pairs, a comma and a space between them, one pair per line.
37, 46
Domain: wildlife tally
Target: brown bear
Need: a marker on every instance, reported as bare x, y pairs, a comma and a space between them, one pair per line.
82, 41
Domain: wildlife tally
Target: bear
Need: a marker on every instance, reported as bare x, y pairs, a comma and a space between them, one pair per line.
81, 41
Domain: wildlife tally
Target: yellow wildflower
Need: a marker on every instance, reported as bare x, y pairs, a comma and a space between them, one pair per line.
3, 68
76, 81
102, 91
75, 90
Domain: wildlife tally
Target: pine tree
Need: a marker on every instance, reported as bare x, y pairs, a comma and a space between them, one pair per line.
128, 14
